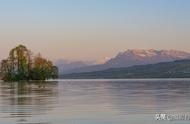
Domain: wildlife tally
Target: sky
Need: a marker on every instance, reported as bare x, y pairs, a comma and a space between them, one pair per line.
93, 29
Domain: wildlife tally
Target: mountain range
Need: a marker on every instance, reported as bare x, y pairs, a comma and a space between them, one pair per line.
66, 66
175, 69
127, 58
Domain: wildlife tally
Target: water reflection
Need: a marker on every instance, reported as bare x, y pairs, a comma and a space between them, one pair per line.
92, 102
150, 97
22, 100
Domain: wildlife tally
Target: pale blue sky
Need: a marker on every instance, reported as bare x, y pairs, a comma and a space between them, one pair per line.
93, 29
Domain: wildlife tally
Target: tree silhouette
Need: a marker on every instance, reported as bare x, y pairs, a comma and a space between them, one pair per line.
20, 65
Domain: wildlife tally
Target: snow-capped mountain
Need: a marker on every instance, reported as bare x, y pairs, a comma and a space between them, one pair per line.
135, 57
141, 57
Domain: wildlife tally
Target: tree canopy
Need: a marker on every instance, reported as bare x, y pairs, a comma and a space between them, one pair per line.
22, 65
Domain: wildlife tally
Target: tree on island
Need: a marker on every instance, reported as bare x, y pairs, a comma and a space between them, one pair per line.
21, 65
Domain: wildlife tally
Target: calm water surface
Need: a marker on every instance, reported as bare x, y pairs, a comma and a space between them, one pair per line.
93, 101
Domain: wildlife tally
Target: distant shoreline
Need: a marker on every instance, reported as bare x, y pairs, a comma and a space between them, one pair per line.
129, 79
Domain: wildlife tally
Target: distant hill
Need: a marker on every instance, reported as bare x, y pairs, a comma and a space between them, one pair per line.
175, 69
134, 57
66, 66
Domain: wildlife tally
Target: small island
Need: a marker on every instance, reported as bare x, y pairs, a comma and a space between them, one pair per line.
21, 64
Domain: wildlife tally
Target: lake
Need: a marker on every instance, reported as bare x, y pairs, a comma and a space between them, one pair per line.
94, 101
